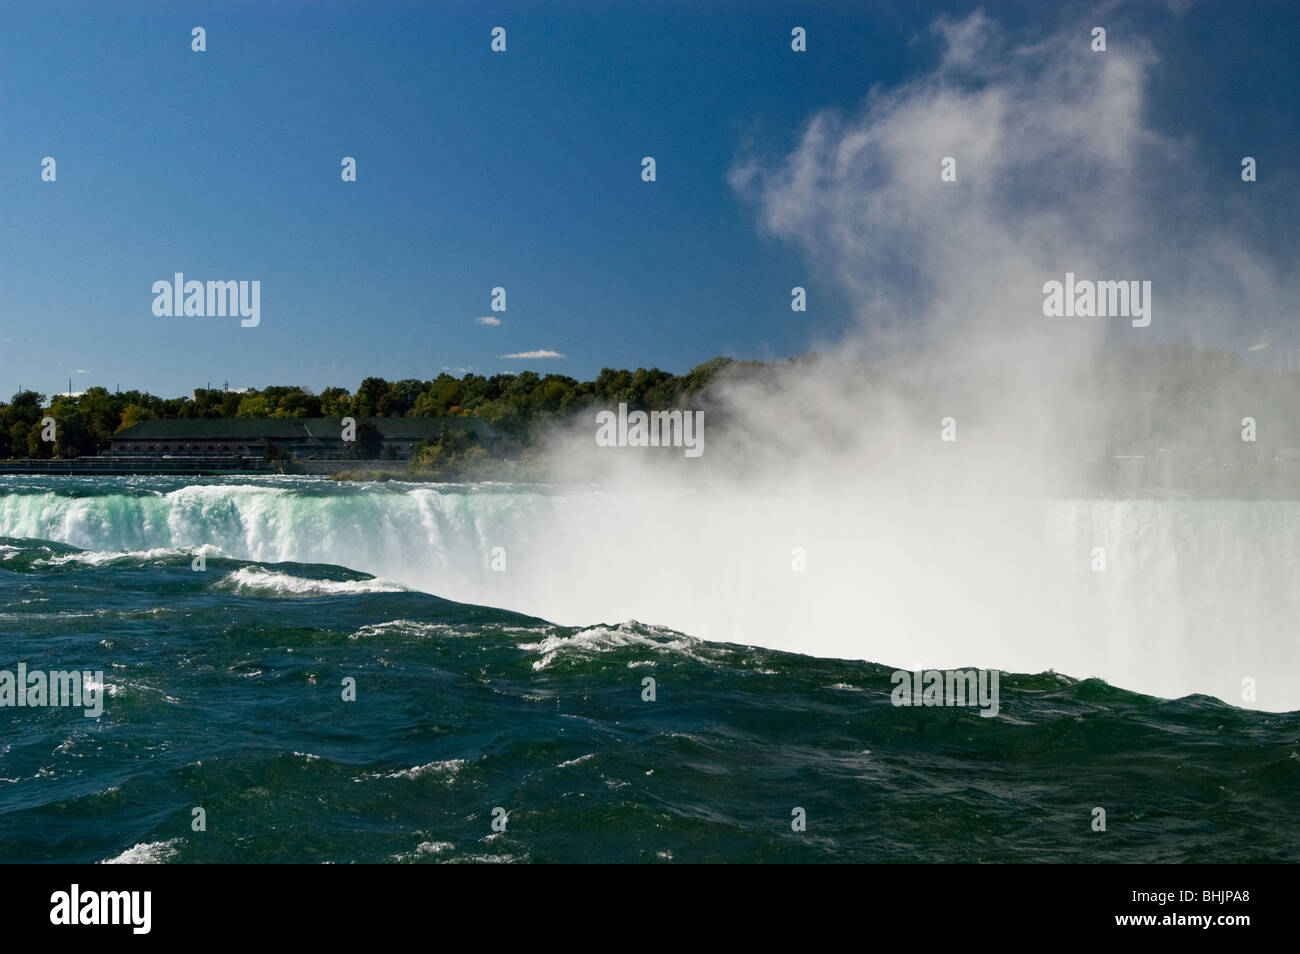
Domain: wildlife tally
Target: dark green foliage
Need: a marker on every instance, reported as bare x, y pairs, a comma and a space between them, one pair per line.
521, 405
368, 444
453, 454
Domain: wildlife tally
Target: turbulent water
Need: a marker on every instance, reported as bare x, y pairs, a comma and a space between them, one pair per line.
225, 685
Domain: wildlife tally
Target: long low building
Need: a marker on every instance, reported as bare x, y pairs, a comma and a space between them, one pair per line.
311, 438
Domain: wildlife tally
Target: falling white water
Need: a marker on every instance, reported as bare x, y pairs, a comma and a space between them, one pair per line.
1195, 595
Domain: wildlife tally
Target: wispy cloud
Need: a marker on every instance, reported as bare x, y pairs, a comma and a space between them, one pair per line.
488, 320
542, 353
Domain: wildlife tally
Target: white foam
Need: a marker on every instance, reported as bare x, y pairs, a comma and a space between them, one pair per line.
603, 639
99, 557
260, 581
150, 853
449, 768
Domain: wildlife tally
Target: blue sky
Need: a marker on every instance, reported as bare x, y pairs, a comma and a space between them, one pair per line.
475, 170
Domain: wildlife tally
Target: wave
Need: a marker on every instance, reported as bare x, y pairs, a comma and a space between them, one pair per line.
1164, 597
446, 770
589, 642
132, 557
260, 581
150, 853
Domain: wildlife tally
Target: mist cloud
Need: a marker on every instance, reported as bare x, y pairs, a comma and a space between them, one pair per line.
1059, 167
973, 551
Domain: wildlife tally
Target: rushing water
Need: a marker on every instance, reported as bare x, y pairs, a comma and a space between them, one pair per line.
224, 684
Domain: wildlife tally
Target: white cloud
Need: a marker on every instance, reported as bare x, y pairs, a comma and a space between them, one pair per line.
488, 320
542, 353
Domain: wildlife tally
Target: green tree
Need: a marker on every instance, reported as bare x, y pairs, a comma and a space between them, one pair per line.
335, 402
253, 405
370, 397
133, 414
369, 442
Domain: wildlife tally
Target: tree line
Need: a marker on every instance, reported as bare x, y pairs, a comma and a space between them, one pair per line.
518, 404
1143, 397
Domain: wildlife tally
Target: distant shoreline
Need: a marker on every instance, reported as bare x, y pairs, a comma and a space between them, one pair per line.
504, 471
